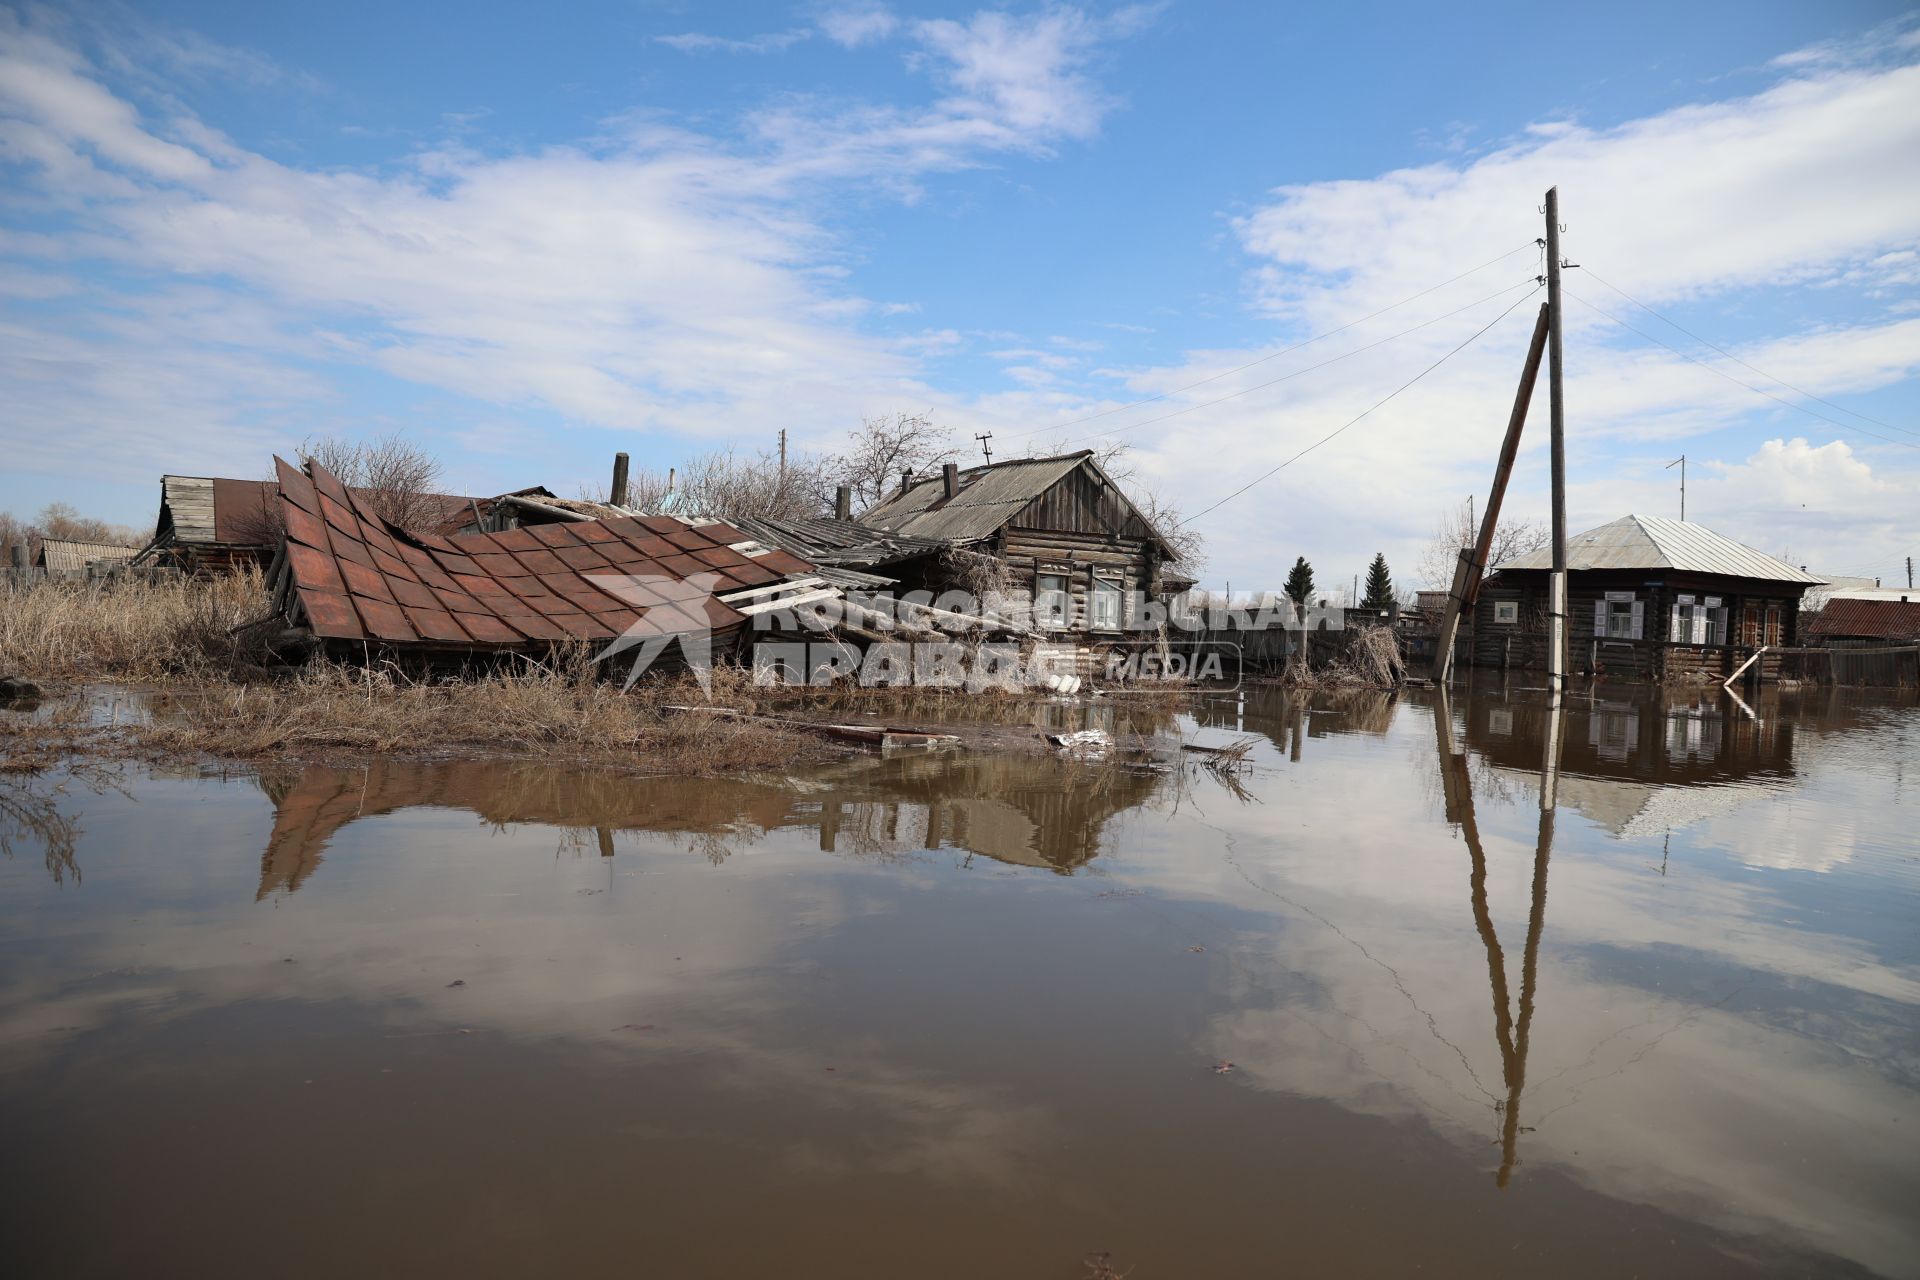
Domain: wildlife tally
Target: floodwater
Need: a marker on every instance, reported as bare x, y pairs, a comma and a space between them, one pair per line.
1366, 1011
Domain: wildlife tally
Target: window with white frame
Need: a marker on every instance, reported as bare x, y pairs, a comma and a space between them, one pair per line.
1506, 612
1052, 606
1618, 616
1104, 605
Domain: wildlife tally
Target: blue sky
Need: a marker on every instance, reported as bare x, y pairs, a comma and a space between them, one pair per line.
532, 239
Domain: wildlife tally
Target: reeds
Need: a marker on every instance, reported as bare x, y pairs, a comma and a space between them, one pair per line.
131, 628
540, 710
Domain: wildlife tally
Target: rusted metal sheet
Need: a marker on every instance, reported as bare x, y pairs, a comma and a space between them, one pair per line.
355, 576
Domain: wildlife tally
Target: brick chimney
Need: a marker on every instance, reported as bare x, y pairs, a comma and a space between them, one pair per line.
843, 502
951, 474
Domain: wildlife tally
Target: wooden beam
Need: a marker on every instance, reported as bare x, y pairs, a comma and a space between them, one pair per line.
1467, 574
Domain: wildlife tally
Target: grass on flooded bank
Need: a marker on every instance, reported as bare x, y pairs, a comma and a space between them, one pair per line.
218, 697
328, 710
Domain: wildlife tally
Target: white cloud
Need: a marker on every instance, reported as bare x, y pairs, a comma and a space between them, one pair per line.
853, 25
1027, 71
700, 42
651, 278
1773, 196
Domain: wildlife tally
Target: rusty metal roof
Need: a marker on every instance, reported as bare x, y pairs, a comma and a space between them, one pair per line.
355, 576
219, 509
1655, 542
1868, 619
989, 496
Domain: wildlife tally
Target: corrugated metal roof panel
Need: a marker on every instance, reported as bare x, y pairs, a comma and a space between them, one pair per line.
989, 497
590, 579
1868, 619
62, 555
1655, 542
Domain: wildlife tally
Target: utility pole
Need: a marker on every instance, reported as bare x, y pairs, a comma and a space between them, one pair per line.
1680, 462
783, 459
1909, 573
986, 448
1472, 562
1557, 410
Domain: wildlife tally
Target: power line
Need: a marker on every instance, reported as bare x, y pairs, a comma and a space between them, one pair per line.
1844, 426
1363, 413
1743, 364
1287, 377
1307, 342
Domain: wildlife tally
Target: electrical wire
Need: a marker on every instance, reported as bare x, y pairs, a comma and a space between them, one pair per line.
1306, 342
1363, 413
1287, 377
1800, 391
1844, 426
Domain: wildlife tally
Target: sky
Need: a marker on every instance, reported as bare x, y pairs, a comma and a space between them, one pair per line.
529, 238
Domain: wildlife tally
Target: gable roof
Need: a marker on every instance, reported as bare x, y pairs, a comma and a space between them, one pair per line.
1878, 619
990, 496
64, 555
1655, 542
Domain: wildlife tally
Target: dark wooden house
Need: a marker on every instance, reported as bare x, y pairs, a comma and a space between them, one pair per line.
1648, 598
1061, 525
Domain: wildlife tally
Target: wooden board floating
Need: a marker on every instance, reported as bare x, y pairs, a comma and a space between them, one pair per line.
881, 736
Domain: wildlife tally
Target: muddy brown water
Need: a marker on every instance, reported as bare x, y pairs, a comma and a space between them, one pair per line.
1368, 1013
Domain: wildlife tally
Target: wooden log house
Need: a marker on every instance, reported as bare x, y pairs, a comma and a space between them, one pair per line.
1063, 528
1650, 599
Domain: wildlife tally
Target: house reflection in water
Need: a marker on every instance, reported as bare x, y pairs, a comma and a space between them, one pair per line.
1643, 765
1288, 718
1035, 812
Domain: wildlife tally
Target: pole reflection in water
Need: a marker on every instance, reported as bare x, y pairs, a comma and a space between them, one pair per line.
1511, 1031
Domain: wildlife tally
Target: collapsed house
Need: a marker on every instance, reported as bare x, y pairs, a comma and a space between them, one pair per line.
211, 524
347, 574
1647, 597
345, 578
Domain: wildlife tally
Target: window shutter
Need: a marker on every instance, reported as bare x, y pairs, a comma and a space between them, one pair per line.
1600, 617
1639, 618
1673, 626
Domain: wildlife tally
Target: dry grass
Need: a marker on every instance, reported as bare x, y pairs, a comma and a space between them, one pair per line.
1370, 658
133, 629
545, 711
221, 699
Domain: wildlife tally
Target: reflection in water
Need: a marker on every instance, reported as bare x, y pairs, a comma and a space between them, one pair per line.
1024, 811
1511, 1033
441, 999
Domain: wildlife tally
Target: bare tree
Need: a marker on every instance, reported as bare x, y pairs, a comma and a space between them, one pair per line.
397, 477
879, 451
60, 520
1188, 545
728, 485
1457, 529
